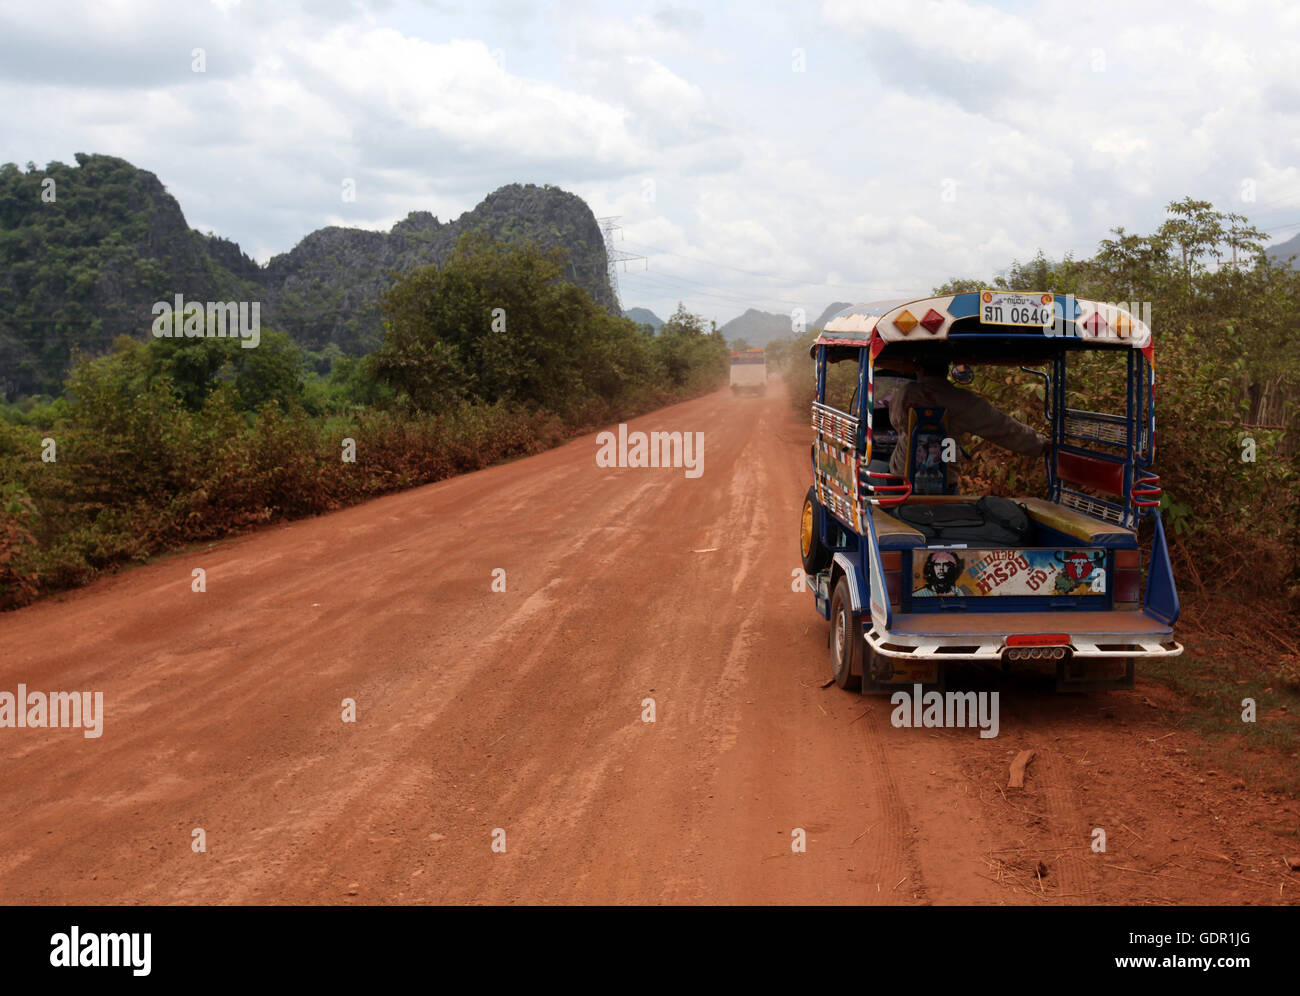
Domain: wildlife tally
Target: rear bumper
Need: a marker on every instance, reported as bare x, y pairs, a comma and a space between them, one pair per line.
983, 636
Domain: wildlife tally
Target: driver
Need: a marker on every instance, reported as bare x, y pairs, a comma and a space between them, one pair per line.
967, 413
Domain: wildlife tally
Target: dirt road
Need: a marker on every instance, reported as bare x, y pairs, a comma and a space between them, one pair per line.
523, 711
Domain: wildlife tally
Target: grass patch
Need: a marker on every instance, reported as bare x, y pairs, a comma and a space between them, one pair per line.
1213, 677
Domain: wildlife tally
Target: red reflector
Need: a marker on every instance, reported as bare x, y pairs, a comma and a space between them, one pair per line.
1038, 640
933, 321
1095, 324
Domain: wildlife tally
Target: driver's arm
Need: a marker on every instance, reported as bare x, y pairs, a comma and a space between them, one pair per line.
980, 418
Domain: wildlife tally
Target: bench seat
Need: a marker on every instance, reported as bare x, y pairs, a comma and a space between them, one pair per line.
1075, 524
894, 534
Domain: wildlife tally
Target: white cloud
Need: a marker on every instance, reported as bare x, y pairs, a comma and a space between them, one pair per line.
1051, 122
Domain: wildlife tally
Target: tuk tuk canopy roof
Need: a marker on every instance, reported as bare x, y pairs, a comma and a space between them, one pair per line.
1022, 314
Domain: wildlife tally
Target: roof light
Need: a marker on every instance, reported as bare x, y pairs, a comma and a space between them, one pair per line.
933, 321
1095, 324
905, 322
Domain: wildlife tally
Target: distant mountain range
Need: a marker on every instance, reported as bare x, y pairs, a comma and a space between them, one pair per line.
85, 266
831, 311
1283, 251
644, 316
758, 328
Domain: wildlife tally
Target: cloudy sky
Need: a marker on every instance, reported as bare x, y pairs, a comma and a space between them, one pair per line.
774, 155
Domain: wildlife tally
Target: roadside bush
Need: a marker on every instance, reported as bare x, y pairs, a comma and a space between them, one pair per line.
18, 551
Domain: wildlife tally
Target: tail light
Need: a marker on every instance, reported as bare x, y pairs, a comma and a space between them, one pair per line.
892, 562
1037, 639
1127, 579
1037, 646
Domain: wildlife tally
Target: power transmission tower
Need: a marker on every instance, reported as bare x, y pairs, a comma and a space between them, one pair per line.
614, 256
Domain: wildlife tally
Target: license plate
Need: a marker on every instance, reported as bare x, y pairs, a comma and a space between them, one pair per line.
1097, 669
912, 672
999, 308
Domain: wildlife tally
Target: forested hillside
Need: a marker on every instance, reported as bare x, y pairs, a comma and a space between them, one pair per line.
86, 250
164, 441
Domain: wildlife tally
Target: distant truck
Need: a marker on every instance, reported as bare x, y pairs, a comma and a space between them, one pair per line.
748, 372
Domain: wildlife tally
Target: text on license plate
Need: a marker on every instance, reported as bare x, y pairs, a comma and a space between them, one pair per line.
997, 308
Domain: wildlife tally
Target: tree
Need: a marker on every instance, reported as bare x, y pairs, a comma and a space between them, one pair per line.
683, 323
690, 355
1228, 360
272, 371
498, 323
959, 285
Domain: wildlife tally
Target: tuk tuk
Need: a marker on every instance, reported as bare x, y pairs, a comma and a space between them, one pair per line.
1063, 592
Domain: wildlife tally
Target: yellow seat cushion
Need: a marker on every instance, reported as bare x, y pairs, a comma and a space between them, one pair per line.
888, 526
1073, 523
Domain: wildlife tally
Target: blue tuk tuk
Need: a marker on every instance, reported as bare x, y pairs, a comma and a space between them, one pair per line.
1066, 593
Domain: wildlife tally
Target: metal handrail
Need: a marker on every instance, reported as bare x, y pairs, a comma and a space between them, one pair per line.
905, 487
1147, 485
838, 425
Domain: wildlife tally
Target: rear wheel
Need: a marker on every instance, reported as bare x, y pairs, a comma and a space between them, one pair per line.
816, 558
846, 639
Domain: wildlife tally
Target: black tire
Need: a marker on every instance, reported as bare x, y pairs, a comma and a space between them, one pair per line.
845, 639
816, 558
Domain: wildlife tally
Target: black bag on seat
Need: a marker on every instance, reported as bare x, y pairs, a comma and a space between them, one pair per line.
1010, 515
994, 521
935, 520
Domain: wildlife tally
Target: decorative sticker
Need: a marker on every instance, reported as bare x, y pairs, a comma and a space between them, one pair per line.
959, 571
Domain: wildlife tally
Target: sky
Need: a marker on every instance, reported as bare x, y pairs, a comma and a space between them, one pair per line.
771, 155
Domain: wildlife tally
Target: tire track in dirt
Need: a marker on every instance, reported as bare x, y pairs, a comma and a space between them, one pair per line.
896, 865
522, 710
1064, 822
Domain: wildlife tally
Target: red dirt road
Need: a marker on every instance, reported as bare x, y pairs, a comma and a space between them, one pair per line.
522, 710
